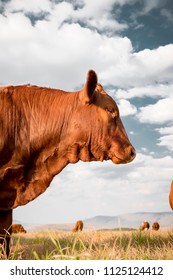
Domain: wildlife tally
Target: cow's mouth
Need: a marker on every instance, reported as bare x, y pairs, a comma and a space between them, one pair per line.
130, 157
117, 160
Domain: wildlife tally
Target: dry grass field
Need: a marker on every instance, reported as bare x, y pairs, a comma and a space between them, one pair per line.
93, 245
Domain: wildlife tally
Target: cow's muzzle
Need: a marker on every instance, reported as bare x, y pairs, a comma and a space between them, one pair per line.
128, 156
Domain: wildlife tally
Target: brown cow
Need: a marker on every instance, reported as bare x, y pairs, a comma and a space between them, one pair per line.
42, 130
17, 228
155, 226
78, 226
145, 226
171, 196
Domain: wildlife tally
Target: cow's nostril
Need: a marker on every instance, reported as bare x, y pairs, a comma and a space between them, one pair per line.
132, 153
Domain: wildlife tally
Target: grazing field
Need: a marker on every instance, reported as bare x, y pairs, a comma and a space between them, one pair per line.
93, 245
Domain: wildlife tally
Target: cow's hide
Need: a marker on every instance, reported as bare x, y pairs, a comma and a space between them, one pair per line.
145, 226
78, 226
18, 228
155, 226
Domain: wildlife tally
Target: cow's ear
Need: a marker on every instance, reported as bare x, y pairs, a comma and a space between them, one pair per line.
87, 92
171, 196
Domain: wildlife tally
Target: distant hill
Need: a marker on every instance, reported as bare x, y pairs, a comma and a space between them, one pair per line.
50, 227
132, 220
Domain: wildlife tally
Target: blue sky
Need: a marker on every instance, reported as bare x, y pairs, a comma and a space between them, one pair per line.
129, 43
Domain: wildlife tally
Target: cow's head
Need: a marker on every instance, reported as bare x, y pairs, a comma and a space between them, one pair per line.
96, 131
171, 196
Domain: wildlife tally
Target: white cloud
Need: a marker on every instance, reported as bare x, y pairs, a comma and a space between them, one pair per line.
165, 130
103, 188
150, 5
166, 140
154, 91
94, 13
43, 54
126, 108
156, 63
55, 50
157, 113
105, 24
144, 149
167, 14
99, 7
146, 7
149, 169
32, 6
138, 26
97, 14
167, 137
141, 68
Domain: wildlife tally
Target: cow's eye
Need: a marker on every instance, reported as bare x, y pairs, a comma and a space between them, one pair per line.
110, 110
112, 113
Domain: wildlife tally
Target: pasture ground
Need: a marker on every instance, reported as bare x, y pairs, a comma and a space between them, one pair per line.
93, 245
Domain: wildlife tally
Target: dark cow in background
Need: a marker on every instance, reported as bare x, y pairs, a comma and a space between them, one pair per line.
17, 228
42, 130
78, 226
145, 226
155, 226
171, 196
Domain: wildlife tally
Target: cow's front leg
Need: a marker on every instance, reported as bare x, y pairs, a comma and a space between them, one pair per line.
5, 230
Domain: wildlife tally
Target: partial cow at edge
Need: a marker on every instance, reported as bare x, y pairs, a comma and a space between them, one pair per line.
155, 226
43, 130
171, 196
145, 226
78, 226
17, 228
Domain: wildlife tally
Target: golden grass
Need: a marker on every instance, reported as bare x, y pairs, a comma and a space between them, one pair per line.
93, 245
